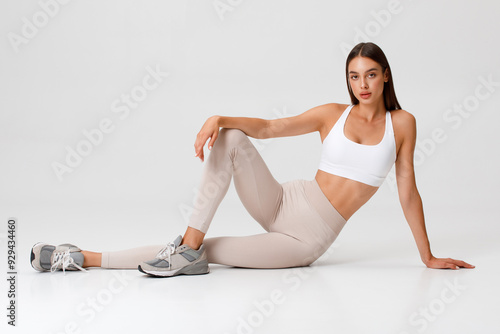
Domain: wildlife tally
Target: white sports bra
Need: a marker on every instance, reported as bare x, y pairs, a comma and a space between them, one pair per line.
368, 164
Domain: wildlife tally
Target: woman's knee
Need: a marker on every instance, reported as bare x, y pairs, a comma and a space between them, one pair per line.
310, 254
232, 135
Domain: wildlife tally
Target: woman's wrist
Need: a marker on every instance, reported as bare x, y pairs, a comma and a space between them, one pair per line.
427, 258
219, 120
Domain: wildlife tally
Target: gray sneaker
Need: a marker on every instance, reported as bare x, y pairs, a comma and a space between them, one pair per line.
175, 260
45, 257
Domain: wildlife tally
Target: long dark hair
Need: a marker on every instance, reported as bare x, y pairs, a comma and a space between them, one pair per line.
375, 53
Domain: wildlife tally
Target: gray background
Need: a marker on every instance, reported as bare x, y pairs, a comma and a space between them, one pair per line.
262, 59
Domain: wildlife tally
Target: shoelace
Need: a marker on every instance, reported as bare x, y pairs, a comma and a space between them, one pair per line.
168, 250
64, 259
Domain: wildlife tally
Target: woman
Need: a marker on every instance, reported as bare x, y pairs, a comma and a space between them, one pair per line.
361, 142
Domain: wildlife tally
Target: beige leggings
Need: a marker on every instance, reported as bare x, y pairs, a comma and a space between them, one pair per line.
299, 221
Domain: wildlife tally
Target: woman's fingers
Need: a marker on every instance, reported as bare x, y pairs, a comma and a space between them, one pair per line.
201, 139
198, 145
212, 140
462, 264
455, 264
210, 130
200, 155
449, 264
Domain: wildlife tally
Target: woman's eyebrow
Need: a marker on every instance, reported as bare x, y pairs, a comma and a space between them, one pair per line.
371, 69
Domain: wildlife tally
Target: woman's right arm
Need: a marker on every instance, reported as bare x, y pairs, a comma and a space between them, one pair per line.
309, 121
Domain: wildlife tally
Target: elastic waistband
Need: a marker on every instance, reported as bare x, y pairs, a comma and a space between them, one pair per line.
323, 206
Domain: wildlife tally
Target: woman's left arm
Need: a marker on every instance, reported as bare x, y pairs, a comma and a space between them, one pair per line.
409, 197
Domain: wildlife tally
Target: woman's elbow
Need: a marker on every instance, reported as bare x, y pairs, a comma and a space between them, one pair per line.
408, 196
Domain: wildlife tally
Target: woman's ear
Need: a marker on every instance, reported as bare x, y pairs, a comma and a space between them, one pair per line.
386, 75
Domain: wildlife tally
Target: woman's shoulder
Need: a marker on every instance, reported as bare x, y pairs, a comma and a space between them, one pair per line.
327, 115
333, 106
404, 125
402, 118
331, 109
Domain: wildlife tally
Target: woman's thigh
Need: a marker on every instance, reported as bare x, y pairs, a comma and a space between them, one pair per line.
297, 237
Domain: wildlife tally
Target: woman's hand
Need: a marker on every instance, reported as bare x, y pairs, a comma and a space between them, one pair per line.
209, 130
446, 263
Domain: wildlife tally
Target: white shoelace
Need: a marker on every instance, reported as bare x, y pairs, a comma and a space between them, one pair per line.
64, 259
168, 250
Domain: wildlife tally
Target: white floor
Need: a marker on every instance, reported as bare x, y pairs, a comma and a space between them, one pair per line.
370, 281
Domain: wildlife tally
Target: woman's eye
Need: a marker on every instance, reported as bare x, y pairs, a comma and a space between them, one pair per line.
354, 77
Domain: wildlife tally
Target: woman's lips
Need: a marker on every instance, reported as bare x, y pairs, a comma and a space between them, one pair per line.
365, 95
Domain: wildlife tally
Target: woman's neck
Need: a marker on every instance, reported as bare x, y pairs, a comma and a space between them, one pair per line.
371, 111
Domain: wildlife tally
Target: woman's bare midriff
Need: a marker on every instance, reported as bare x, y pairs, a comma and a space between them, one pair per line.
346, 195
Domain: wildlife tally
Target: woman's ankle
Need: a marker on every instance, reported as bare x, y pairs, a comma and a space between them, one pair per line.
193, 238
91, 259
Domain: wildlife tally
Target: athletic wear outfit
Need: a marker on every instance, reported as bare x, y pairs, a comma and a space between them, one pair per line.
300, 221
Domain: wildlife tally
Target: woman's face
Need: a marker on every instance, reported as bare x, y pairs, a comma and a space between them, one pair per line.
366, 80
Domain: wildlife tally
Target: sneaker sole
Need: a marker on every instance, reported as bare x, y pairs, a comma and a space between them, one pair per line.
200, 268
33, 257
